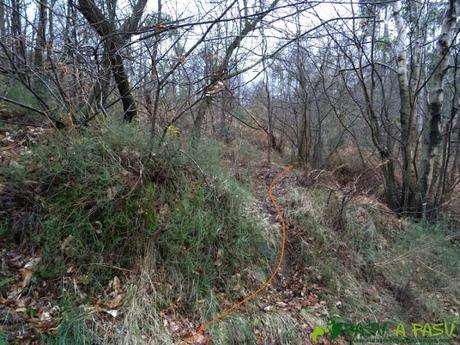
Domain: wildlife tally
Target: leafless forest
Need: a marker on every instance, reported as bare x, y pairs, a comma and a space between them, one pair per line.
99, 98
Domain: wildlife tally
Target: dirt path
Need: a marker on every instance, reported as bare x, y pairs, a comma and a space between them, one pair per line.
198, 336
289, 292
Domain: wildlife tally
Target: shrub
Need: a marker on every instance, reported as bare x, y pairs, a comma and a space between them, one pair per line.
100, 196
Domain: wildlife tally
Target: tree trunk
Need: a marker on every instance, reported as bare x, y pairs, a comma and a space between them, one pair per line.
271, 141
106, 28
122, 81
220, 73
432, 134
199, 119
304, 137
50, 42
303, 154
16, 32
456, 162
390, 188
2, 21
41, 34
406, 114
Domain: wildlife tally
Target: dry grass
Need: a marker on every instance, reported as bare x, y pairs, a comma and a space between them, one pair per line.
376, 265
142, 323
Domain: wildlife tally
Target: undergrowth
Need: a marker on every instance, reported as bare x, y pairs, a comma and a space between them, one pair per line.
74, 328
425, 262
109, 200
104, 199
15, 91
374, 265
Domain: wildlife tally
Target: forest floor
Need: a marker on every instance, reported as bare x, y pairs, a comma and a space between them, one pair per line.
347, 257
28, 314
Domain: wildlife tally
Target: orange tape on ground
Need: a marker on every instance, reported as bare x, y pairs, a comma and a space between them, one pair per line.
200, 330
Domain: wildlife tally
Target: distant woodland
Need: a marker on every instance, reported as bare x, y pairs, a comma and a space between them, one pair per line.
379, 78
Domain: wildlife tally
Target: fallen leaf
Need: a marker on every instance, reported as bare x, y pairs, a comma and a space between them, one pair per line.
68, 246
116, 302
26, 275
8, 147
197, 338
116, 284
112, 312
220, 255
45, 317
32, 264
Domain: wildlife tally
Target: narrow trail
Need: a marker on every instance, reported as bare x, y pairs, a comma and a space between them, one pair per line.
199, 332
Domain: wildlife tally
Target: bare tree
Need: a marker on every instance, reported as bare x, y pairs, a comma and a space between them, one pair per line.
114, 38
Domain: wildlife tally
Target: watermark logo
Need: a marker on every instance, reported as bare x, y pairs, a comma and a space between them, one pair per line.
375, 332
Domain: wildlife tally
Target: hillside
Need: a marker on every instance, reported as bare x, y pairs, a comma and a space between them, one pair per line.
105, 241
